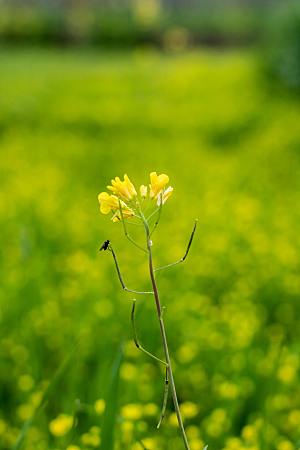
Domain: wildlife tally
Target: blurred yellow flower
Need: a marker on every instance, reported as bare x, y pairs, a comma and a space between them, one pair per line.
151, 409
197, 444
157, 183
99, 406
128, 371
249, 433
132, 411
25, 411
2, 426
124, 189
61, 425
25, 382
189, 409
294, 418
285, 445
91, 439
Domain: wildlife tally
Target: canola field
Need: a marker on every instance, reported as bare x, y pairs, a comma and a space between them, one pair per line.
71, 377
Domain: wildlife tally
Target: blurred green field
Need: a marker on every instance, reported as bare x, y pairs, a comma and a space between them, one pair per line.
70, 120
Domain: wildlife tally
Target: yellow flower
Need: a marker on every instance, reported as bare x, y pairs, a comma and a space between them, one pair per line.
162, 198
125, 189
143, 191
61, 425
157, 183
111, 203
127, 212
108, 202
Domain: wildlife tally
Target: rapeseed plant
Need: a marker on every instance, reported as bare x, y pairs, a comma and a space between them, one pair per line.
126, 204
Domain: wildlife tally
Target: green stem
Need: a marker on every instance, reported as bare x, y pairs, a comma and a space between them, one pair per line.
164, 337
135, 337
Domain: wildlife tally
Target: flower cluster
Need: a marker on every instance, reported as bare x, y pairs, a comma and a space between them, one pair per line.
125, 201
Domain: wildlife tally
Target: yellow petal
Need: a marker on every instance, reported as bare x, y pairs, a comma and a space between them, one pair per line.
143, 191
124, 189
104, 208
167, 194
158, 182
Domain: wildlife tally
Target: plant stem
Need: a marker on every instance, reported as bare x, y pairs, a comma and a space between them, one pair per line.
164, 338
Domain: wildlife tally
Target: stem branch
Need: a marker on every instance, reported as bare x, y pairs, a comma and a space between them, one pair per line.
164, 337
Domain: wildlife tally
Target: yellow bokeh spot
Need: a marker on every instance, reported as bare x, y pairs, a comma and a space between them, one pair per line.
2, 426
249, 433
189, 409
61, 425
233, 443
228, 390
192, 432
73, 447
91, 439
150, 443
285, 445
132, 411
99, 406
95, 430
128, 371
151, 409
173, 420
127, 426
294, 418
25, 382
186, 353
25, 411
286, 373
127, 430
197, 444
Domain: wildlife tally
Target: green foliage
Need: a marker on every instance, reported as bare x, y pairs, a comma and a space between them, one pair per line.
128, 24
282, 50
70, 121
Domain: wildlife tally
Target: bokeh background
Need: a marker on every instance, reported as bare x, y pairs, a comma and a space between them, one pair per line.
207, 92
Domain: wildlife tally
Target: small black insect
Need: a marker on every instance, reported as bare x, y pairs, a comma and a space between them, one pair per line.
105, 245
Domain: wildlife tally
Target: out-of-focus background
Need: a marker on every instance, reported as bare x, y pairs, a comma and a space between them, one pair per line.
207, 92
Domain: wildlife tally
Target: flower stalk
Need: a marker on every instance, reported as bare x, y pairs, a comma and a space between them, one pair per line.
164, 337
125, 205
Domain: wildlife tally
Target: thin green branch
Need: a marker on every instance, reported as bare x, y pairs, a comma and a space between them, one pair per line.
135, 338
126, 232
186, 252
164, 338
165, 400
120, 276
158, 216
152, 214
